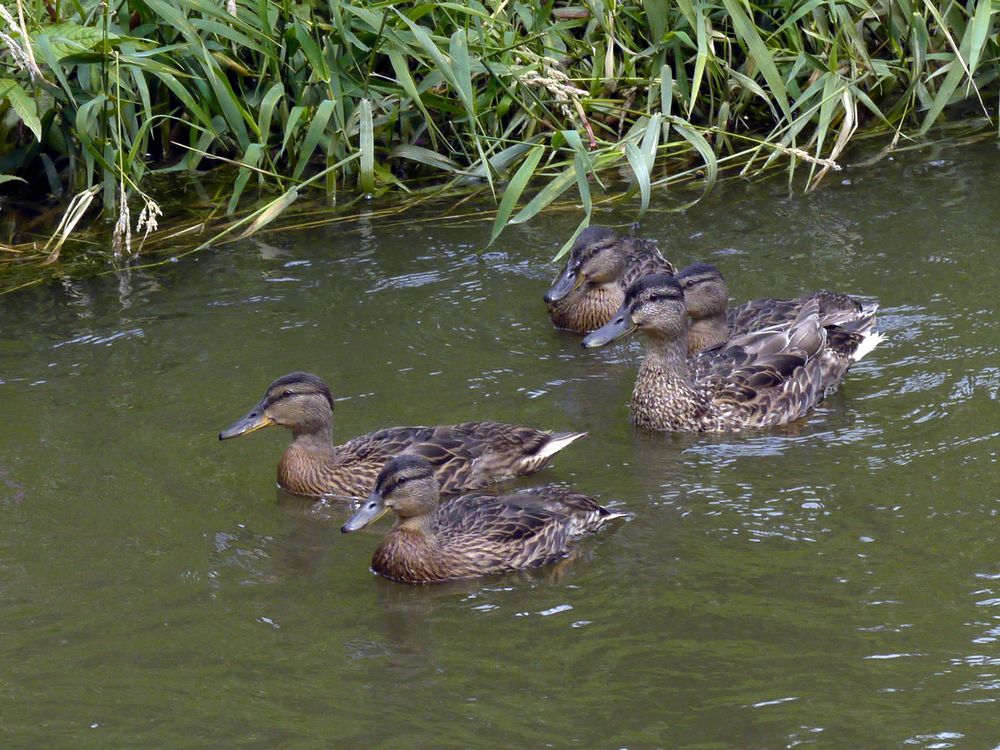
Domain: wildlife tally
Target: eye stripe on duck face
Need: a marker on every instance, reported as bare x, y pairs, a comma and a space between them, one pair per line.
660, 297
698, 273
689, 281
598, 248
657, 294
660, 284
395, 482
285, 393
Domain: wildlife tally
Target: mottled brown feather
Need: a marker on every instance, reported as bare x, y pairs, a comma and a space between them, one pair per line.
714, 323
479, 535
760, 378
465, 456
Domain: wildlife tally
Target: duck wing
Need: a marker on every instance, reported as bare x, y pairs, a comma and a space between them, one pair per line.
643, 258
770, 376
834, 308
524, 530
465, 456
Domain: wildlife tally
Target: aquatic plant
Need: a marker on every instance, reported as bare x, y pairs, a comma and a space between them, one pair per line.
376, 96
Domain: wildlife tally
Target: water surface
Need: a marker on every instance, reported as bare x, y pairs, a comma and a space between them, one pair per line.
834, 584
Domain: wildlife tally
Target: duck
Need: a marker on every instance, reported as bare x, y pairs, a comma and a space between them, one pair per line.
471, 535
767, 377
465, 456
600, 266
713, 322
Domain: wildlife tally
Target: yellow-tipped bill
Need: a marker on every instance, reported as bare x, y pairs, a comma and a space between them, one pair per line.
255, 419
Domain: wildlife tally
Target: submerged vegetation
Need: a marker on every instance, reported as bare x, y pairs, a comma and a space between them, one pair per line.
366, 97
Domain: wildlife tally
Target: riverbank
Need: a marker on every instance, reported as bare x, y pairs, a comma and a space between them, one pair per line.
314, 101
193, 221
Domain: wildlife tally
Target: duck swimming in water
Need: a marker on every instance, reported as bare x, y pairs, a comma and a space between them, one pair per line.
601, 265
473, 535
714, 322
464, 456
767, 377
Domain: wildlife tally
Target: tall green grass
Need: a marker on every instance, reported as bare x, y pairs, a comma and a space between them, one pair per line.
335, 96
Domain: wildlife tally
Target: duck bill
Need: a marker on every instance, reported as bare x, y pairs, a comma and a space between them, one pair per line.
619, 326
567, 282
370, 511
255, 419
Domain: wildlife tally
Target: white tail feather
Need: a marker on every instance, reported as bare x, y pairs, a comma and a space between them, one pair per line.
558, 442
868, 343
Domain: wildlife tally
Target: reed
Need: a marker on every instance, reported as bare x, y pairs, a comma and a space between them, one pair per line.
340, 98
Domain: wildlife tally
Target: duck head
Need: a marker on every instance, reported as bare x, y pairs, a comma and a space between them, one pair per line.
406, 486
596, 258
300, 401
705, 292
654, 305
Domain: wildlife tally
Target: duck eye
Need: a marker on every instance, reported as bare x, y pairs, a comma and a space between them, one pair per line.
286, 394
404, 480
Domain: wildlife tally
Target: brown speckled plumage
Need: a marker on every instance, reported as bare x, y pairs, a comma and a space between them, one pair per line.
587, 308
712, 322
474, 535
465, 456
768, 377
600, 267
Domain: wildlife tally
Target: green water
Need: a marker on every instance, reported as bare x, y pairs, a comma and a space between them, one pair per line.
834, 585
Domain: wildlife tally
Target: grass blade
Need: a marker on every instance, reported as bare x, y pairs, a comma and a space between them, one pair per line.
697, 140
514, 188
22, 104
272, 211
747, 32
572, 238
316, 128
366, 145
425, 156
944, 93
250, 159
267, 105
977, 33
637, 162
556, 187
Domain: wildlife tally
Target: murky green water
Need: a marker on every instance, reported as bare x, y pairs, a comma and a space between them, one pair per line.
835, 585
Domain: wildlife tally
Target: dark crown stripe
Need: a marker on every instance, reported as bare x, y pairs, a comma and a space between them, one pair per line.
592, 240
418, 466
294, 378
664, 285
699, 272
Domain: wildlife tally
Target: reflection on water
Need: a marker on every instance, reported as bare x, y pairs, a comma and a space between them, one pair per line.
833, 582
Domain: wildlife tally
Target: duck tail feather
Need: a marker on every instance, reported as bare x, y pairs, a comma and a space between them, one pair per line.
557, 442
868, 343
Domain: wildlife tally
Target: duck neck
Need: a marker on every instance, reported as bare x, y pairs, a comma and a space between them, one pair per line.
410, 552
317, 439
421, 525
587, 309
305, 464
705, 333
669, 356
664, 397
